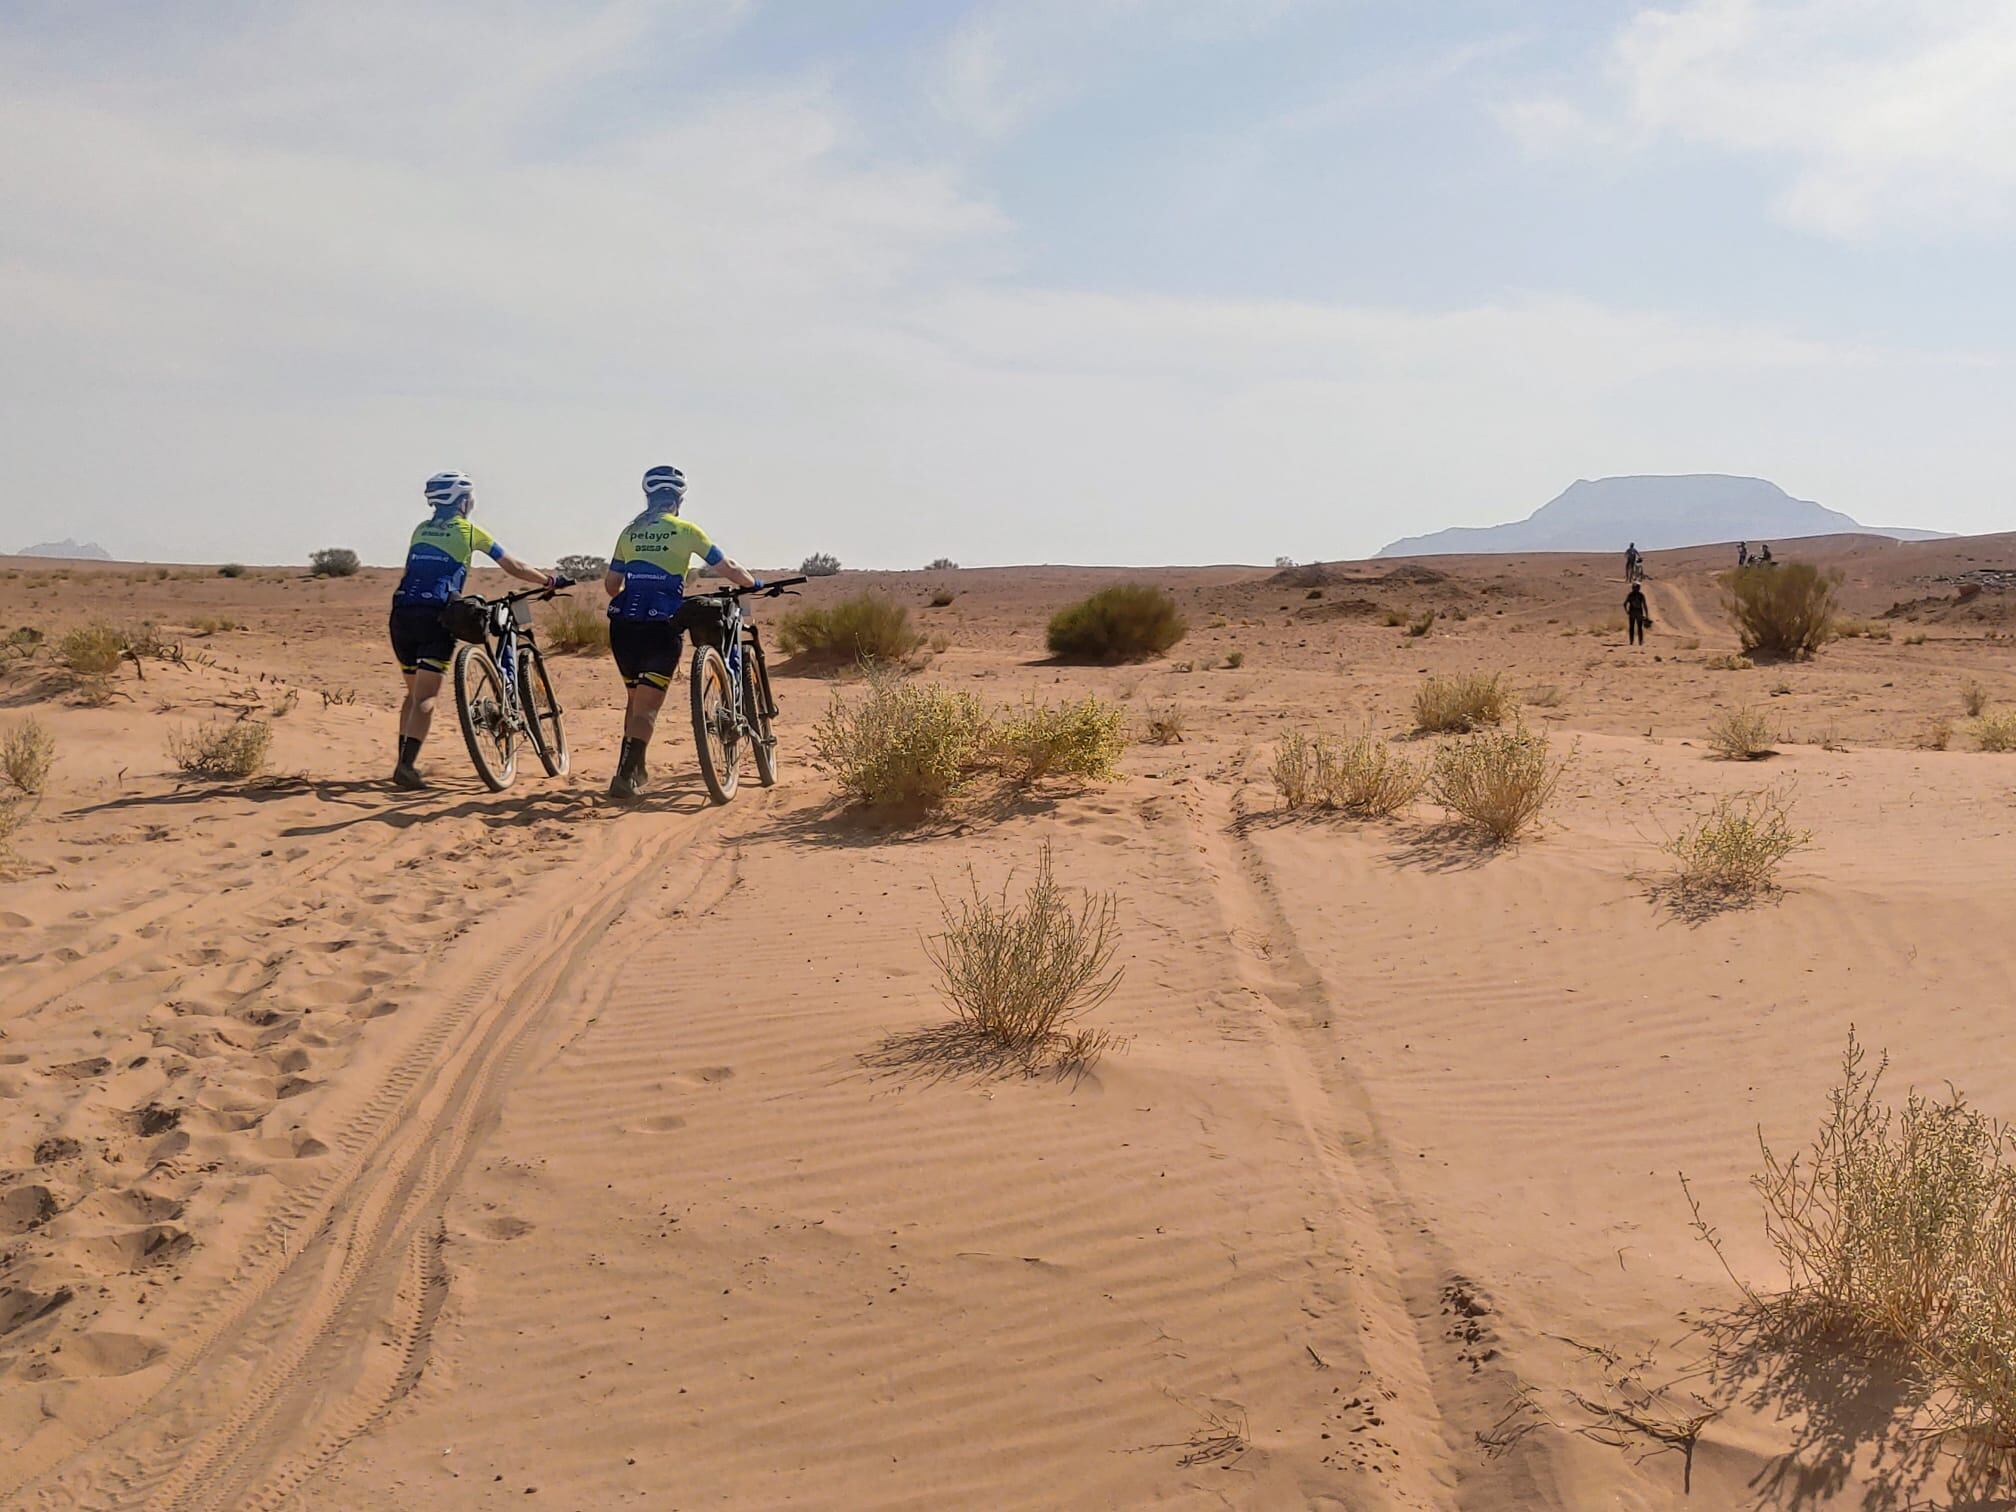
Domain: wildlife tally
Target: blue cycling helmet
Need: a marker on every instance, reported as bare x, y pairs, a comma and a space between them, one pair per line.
665, 487
450, 490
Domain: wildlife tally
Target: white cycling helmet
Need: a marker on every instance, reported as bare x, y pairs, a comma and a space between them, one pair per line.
451, 490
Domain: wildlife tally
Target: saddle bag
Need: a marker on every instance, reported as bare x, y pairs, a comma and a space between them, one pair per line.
466, 620
703, 619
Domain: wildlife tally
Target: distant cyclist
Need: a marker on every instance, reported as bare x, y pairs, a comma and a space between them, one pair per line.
437, 565
646, 584
1634, 564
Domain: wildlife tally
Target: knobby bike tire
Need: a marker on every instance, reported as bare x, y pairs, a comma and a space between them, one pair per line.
486, 725
542, 712
720, 757
756, 706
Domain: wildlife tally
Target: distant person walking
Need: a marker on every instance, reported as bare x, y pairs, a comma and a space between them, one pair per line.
1742, 553
1764, 558
1636, 614
1634, 564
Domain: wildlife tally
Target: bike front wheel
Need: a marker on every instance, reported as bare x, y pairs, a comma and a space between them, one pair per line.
542, 714
486, 717
715, 733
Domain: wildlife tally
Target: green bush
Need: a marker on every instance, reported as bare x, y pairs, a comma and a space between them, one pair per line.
232, 570
1125, 622
901, 744
865, 628
1498, 781
334, 561
819, 564
1781, 611
1083, 739
93, 650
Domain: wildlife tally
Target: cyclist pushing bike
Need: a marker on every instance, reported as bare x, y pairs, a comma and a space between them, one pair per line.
646, 584
437, 566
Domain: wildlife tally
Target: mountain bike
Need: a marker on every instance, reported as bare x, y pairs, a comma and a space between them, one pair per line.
732, 703
502, 691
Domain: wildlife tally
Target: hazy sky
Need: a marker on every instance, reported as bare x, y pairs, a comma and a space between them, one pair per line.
1050, 280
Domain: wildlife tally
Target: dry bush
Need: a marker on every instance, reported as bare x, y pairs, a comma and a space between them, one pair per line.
92, 650
1544, 696
867, 628
1691, 643
1019, 974
819, 564
334, 561
1917, 639
231, 570
941, 564
215, 625
1165, 725
1730, 663
1235, 660
1937, 734
1897, 1231
1785, 610
572, 627
1126, 622
1421, 624
1737, 847
27, 753
1498, 781
1860, 629
1741, 734
1083, 739
907, 745
1392, 618
1295, 764
942, 598
582, 566
1973, 698
1450, 705
221, 748
1363, 776
1996, 730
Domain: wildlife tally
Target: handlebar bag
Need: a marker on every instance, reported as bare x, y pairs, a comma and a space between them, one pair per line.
466, 620
704, 619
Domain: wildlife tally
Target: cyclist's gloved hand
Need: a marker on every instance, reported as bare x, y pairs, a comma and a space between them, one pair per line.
758, 585
558, 580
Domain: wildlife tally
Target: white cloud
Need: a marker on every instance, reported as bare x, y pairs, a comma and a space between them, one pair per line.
1884, 116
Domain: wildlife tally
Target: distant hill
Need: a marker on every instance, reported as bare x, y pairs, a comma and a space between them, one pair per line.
76, 551
1690, 509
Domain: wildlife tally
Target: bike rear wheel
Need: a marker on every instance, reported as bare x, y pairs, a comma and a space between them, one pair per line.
542, 713
486, 717
715, 736
756, 707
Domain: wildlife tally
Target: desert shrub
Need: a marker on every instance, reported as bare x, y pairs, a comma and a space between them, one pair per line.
221, 748
1165, 725
1737, 846
232, 570
941, 598
1781, 611
1125, 622
1995, 730
211, 624
1313, 593
27, 752
1421, 625
1295, 765
1937, 734
1897, 1231
1083, 739
819, 564
334, 561
1729, 663
865, 628
1498, 781
941, 564
1973, 698
1020, 973
582, 566
92, 650
1915, 640
1860, 629
1392, 618
1363, 776
1741, 735
573, 627
1447, 705
907, 745
1544, 695
1235, 659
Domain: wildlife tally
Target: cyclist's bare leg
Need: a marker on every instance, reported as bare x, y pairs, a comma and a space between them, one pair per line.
640, 716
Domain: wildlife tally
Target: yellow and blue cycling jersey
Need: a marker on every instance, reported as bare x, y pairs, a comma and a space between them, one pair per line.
437, 561
655, 555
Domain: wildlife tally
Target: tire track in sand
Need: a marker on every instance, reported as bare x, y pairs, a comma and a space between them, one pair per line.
328, 1322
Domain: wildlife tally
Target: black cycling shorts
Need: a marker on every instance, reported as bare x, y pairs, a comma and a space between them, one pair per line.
646, 651
420, 642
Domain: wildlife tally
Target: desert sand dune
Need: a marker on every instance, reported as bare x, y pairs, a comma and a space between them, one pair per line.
372, 1149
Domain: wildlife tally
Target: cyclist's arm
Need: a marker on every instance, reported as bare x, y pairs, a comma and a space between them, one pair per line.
730, 569
525, 572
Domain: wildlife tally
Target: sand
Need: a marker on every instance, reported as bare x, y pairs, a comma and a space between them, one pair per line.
361, 1148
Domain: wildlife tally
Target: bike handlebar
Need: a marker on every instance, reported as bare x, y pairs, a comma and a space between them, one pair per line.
524, 593
768, 590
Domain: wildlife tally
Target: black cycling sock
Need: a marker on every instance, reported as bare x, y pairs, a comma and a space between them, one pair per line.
632, 759
409, 749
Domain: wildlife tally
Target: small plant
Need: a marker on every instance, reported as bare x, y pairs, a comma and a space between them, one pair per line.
214, 625
1498, 781
1392, 618
1730, 663
1741, 735
334, 561
1736, 848
1782, 610
221, 748
1126, 622
1937, 734
1020, 974
1691, 643
575, 627
231, 570
1313, 593
1366, 777
1914, 640
901, 745
1449, 705
1973, 698
1861, 629
1422, 625
93, 650
1235, 659
941, 598
866, 628
819, 564
1544, 696
1995, 730
941, 564
1084, 739
27, 752
1295, 770
1165, 725
582, 566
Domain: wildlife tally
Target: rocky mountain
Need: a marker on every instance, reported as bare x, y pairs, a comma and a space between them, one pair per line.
76, 551
1658, 512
